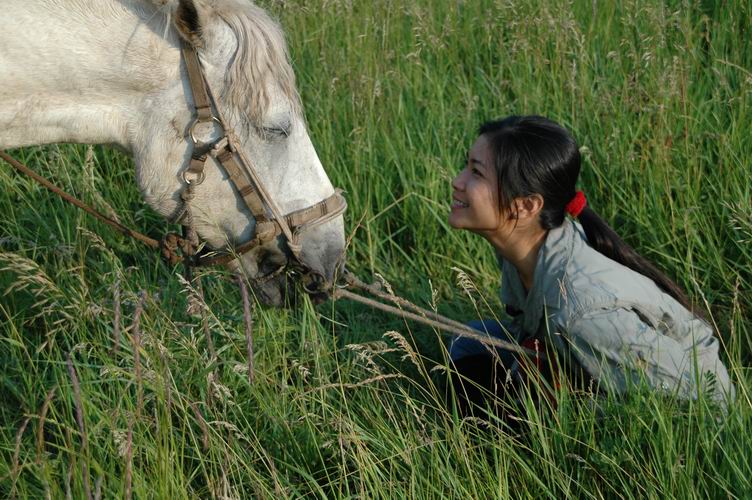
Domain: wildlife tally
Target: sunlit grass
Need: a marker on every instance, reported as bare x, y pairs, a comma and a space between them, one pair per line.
658, 94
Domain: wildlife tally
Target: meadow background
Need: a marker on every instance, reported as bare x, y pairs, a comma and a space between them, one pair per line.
347, 401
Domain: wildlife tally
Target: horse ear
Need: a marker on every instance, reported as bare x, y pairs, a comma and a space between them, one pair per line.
188, 23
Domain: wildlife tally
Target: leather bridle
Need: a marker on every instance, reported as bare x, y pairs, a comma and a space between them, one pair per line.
270, 222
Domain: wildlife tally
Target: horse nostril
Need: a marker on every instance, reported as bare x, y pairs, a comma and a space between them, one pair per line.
270, 263
314, 283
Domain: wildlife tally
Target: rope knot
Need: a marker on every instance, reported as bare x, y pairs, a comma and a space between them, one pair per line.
176, 249
187, 248
168, 248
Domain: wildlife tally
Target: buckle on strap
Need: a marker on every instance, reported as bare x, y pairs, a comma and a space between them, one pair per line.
267, 230
196, 167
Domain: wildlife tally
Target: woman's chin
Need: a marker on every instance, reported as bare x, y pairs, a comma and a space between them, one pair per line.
458, 222
455, 220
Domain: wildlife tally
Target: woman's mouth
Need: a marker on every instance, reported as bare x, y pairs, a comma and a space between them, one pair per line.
459, 204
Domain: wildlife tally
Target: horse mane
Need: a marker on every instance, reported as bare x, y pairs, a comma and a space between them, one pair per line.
261, 58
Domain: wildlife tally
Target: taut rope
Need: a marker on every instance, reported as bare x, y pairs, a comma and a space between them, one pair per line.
406, 309
150, 242
175, 249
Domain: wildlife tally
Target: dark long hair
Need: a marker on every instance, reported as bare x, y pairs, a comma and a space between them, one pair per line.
535, 155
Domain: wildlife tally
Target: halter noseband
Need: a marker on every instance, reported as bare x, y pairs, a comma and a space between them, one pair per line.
270, 222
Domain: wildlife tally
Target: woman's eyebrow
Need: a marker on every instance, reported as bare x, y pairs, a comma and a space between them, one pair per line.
476, 161
471, 159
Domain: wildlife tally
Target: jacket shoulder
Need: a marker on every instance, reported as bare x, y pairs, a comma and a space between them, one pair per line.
592, 281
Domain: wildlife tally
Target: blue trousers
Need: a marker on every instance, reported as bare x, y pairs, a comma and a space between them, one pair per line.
461, 347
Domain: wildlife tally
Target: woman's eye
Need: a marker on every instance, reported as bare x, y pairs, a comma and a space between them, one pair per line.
475, 171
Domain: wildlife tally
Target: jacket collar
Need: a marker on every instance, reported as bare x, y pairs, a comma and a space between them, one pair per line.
547, 292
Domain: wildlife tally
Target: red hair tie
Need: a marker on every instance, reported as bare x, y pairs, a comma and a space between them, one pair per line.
578, 203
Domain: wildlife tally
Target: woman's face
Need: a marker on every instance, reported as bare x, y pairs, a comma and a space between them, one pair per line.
475, 196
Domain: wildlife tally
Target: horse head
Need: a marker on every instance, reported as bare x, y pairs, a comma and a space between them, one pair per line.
124, 81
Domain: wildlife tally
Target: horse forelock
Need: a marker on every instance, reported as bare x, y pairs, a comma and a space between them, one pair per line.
260, 63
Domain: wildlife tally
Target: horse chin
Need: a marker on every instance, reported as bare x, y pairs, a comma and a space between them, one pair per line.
283, 292
276, 287
276, 292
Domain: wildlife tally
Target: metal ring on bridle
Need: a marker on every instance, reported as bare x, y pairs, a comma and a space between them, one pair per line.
198, 180
192, 129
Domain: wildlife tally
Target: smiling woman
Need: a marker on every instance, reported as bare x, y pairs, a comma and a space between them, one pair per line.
475, 203
572, 286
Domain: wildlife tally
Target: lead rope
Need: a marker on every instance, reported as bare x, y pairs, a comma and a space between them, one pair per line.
20, 167
407, 310
171, 244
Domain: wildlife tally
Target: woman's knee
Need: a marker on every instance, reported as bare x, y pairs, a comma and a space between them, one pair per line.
461, 346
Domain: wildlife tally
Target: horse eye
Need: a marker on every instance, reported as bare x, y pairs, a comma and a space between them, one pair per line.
276, 132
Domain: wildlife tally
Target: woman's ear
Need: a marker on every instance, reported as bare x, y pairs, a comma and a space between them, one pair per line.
527, 207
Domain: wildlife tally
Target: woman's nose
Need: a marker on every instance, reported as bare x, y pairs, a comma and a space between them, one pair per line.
458, 182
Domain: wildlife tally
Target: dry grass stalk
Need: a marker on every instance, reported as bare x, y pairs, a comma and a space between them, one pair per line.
98, 488
196, 306
403, 345
81, 427
248, 319
40, 425
167, 378
466, 284
136, 333
129, 460
68, 480
209, 389
205, 319
355, 385
224, 466
116, 320
202, 424
15, 469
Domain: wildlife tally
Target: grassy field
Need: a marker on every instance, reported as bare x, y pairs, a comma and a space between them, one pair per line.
349, 402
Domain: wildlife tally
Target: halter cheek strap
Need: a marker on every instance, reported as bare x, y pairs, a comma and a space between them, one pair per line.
576, 205
270, 221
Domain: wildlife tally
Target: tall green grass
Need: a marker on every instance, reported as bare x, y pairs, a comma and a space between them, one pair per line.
349, 402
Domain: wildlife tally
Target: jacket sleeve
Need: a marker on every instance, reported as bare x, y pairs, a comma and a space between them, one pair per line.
619, 348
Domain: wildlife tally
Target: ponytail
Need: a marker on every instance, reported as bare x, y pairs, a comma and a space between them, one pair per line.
602, 238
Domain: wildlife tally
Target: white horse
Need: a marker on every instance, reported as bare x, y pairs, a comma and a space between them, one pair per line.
110, 72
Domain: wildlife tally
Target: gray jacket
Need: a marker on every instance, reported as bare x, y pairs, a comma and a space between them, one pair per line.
614, 322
